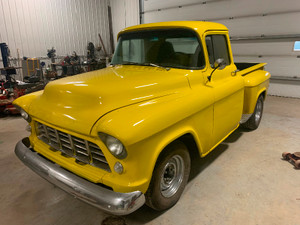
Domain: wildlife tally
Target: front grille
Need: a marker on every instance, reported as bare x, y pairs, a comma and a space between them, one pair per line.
84, 151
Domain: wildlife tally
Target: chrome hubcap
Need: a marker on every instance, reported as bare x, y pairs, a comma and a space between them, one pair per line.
172, 176
258, 111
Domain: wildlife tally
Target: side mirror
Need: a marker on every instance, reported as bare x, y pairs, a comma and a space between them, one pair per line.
219, 64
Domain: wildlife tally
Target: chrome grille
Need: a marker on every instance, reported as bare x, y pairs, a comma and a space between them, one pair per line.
84, 151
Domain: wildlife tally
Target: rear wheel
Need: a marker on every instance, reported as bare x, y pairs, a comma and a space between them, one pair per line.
253, 122
169, 177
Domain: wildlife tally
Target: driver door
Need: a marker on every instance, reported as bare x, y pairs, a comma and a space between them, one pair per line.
228, 88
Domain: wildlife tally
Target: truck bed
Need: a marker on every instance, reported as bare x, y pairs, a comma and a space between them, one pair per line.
246, 68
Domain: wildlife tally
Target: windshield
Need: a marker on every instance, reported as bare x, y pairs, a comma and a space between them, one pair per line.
177, 48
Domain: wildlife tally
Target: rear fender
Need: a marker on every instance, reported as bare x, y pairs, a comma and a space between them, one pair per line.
256, 83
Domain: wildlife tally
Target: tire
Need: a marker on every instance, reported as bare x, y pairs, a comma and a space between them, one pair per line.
253, 122
169, 177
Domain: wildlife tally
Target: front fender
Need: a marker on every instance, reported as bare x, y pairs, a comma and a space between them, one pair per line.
25, 101
146, 129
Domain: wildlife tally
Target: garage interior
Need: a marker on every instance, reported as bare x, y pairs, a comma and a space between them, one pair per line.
243, 181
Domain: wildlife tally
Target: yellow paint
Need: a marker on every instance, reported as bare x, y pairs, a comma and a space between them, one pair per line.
146, 108
255, 84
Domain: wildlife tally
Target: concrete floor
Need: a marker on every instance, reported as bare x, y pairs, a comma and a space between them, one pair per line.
243, 181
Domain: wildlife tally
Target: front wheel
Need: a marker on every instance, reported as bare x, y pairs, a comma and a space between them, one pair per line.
169, 177
253, 122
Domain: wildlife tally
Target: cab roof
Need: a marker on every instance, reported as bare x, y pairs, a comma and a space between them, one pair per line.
199, 26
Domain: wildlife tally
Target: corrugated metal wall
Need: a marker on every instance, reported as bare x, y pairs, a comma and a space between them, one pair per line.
125, 13
33, 26
246, 18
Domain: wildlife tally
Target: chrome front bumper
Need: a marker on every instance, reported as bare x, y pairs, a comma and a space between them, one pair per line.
105, 199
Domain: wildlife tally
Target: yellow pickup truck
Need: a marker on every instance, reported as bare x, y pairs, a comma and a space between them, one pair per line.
119, 137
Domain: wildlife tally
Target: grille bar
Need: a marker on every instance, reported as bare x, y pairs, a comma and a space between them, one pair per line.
71, 143
80, 147
82, 150
46, 131
97, 153
58, 139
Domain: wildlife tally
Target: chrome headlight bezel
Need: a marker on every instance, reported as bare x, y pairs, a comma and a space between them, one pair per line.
114, 145
24, 114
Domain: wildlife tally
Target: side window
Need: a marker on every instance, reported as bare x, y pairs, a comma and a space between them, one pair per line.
209, 46
217, 48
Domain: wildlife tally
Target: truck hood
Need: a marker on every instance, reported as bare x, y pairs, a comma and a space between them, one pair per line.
76, 103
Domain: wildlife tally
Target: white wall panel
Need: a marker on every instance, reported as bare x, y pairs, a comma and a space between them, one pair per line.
212, 9
33, 26
125, 13
267, 48
266, 25
277, 66
287, 90
118, 16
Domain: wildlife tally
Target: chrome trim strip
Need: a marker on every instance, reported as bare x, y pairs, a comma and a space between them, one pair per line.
46, 132
58, 139
107, 200
88, 150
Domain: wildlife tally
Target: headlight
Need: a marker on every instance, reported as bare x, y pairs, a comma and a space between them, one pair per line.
24, 114
114, 145
118, 167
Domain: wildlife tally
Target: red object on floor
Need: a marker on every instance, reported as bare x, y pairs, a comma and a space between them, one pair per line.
6, 100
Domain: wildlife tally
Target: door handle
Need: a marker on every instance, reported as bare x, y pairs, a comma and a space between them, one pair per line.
233, 73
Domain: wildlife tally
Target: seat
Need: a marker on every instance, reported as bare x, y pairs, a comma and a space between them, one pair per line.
166, 52
197, 60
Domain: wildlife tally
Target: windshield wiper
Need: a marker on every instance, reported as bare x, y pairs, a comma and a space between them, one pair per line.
125, 63
155, 65
142, 64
